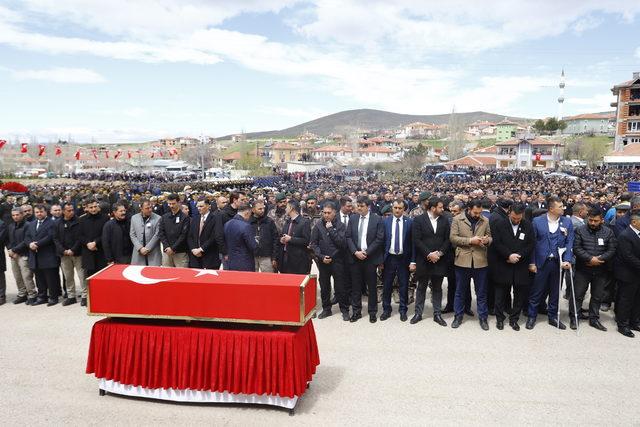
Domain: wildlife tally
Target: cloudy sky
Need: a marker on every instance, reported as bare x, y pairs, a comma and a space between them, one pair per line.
130, 70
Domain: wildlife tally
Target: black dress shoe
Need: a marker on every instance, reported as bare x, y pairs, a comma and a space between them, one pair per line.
531, 323
514, 326
69, 301
385, 315
457, 321
20, 300
500, 324
415, 319
573, 324
52, 301
403, 317
39, 301
469, 312
557, 324
83, 302
325, 313
439, 320
345, 316
355, 318
30, 301
626, 332
484, 324
373, 318
596, 324
447, 309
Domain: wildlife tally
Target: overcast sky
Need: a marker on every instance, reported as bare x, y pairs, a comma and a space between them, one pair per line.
122, 70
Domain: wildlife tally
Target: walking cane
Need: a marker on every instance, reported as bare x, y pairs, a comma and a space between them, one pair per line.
573, 295
561, 252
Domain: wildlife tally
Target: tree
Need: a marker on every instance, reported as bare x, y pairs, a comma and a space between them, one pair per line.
551, 125
539, 126
562, 125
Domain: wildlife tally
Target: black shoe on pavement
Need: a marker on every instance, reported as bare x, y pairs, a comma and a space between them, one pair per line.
385, 315
69, 301
415, 319
345, 316
531, 323
439, 320
20, 300
626, 332
355, 318
596, 324
52, 302
83, 302
514, 326
457, 321
557, 324
573, 324
325, 314
484, 324
500, 324
39, 301
30, 301
373, 318
403, 317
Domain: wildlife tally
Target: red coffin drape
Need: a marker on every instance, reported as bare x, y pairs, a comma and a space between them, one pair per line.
238, 359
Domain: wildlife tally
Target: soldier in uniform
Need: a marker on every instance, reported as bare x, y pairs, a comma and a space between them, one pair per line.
312, 213
278, 215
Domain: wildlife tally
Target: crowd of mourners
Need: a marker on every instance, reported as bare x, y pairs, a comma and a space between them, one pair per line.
526, 240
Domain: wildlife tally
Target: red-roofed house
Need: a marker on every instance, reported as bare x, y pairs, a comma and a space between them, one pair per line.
584, 124
528, 153
472, 161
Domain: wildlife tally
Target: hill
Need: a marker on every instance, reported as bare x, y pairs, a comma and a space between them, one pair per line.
367, 119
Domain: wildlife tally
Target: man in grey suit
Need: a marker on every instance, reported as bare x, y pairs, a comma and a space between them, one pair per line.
144, 236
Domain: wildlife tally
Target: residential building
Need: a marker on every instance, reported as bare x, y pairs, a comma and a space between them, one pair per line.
528, 153
422, 130
472, 161
628, 157
283, 152
589, 124
627, 112
505, 130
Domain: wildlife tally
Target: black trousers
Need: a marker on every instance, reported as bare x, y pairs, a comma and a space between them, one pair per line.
48, 282
436, 294
363, 275
628, 304
326, 272
451, 290
581, 282
503, 303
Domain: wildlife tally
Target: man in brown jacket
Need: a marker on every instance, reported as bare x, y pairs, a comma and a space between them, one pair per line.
471, 235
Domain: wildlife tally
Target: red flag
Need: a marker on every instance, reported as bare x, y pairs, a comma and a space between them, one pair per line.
41, 149
23, 148
106, 154
95, 154
153, 154
128, 154
58, 151
2, 143
78, 155
173, 152
160, 152
118, 154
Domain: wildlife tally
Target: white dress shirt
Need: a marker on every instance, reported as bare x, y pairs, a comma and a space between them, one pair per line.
363, 241
553, 225
344, 218
393, 235
514, 227
434, 222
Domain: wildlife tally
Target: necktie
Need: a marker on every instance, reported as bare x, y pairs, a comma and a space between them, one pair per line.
360, 227
396, 241
38, 225
201, 225
345, 220
288, 234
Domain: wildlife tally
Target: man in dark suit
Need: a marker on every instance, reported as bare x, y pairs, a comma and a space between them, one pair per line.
294, 256
241, 241
205, 233
3, 262
91, 225
328, 243
365, 241
627, 271
498, 214
42, 257
399, 258
116, 236
430, 232
513, 243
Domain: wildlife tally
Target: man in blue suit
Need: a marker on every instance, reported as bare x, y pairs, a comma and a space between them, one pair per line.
399, 258
552, 232
43, 260
240, 240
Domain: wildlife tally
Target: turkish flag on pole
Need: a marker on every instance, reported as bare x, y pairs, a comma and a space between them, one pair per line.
2, 143
23, 147
58, 151
77, 155
118, 154
128, 154
106, 154
153, 154
41, 149
95, 154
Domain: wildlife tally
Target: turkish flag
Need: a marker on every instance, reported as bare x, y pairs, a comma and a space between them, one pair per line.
153, 154
58, 151
2, 143
23, 148
118, 154
41, 149
95, 154
538, 157
106, 154
161, 155
173, 152
78, 155
128, 154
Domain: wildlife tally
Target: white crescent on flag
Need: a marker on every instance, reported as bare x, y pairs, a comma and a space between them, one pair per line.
134, 273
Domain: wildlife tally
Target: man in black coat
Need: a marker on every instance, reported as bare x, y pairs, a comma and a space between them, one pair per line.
328, 243
433, 249
294, 257
42, 256
68, 248
267, 238
513, 244
627, 271
499, 214
594, 248
206, 235
18, 253
174, 227
91, 225
116, 239
3, 263
365, 241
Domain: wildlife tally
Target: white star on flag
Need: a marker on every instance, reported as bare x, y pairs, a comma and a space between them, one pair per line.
204, 272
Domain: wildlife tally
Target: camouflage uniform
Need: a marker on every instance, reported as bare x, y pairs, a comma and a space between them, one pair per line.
417, 211
279, 220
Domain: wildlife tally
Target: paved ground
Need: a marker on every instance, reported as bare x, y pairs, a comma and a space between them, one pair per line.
388, 372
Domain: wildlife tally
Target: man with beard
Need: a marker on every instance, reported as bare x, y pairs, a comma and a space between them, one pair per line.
42, 257
294, 255
68, 247
116, 239
236, 199
174, 227
91, 225
266, 234
278, 215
